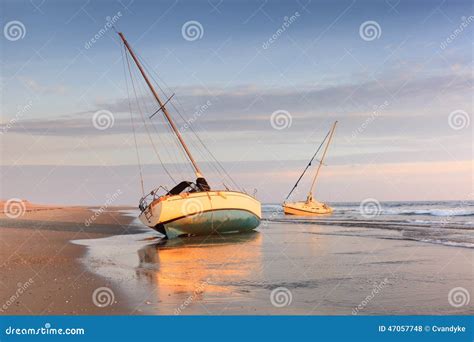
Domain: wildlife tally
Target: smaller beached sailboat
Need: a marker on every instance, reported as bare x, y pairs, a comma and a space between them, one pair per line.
310, 206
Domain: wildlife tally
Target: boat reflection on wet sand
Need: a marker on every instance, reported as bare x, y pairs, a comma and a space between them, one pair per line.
196, 270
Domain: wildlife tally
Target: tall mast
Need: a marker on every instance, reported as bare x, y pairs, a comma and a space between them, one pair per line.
310, 195
162, 107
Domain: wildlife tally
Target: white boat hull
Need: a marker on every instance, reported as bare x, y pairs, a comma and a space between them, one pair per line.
312, 208
203, 213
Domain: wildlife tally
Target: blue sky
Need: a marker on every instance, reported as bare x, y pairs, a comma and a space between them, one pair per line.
393, 95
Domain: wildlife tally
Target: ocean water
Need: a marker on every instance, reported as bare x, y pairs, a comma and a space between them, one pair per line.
448, 223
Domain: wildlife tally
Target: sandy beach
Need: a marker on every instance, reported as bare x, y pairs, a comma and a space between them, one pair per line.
52, 262
41, 272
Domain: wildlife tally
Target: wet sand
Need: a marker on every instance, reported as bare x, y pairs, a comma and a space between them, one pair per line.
280, 269
284, 270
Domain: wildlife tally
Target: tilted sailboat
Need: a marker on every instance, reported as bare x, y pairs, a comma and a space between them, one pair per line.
311, 206
192, 208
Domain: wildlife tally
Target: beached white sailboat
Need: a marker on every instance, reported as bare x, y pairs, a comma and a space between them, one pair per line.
311, 207
192, 208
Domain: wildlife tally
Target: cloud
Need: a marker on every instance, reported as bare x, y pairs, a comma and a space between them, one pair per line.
38, 88
248, 108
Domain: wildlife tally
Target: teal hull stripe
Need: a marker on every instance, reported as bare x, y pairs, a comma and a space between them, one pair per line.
213, 222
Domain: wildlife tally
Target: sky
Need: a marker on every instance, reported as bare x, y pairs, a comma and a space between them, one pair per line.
261, 82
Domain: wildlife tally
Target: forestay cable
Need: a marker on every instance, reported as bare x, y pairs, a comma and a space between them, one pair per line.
307, 166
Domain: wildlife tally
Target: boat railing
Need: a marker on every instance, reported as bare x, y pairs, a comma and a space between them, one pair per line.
152, 196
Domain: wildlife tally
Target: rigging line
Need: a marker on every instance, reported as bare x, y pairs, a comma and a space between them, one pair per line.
333, 128
166, 142
205, 157
216, 161
213, 158
168, 124
179, 148
150, 85
133, 124
145, 124
307, 166
150, 73
173, 139
190, 127
209, 157
176, 162
144, 103
146, 127
113, 36
206, 153
212, 161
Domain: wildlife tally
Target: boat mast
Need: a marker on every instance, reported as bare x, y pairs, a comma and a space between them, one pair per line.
162, 107
310, 194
